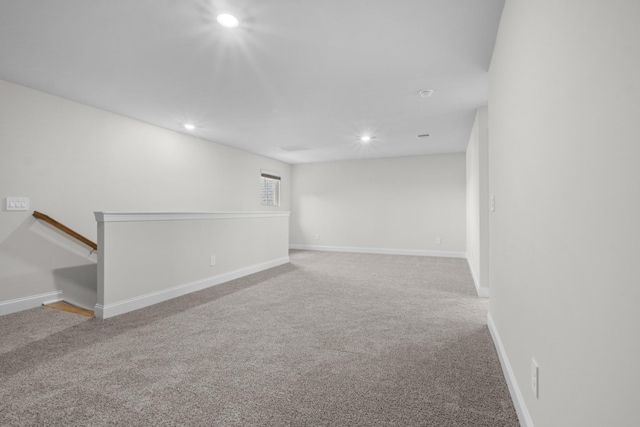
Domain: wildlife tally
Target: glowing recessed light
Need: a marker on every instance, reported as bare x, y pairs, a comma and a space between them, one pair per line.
227, 20
189, 126
365, 138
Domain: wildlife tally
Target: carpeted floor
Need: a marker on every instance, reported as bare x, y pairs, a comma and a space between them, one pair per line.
331, 339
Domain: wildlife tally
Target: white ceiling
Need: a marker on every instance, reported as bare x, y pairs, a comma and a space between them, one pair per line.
311, 73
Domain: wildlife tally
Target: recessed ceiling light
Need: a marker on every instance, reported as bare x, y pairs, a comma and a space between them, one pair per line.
189, 126
426, 93
227, 20
365, 138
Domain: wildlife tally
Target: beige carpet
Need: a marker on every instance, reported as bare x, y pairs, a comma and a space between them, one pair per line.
331, 339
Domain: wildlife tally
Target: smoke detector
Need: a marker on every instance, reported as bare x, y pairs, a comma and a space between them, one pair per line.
426, 93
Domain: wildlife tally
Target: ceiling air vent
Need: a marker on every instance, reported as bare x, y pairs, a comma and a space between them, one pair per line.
294, 148
424, 135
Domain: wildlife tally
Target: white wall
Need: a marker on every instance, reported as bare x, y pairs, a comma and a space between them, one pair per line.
72, 160
395, 205
149, 258
478, 203
564, 109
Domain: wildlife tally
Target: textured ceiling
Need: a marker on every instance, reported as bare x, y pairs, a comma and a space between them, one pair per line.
310, 74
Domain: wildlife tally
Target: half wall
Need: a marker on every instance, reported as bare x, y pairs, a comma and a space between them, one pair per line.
147, 258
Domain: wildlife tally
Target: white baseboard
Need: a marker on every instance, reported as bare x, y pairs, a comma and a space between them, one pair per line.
384, 251
514, 390
19, 304
121, 307
482, 292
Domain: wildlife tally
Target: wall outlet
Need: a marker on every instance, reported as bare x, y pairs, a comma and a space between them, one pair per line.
213, 260
438, 240
493, 203
17, 204
317, 237
534, 377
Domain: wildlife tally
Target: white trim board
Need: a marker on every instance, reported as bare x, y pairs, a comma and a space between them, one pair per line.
516, 394
182, 216
384, 251
25, 303
482, 292
125, 306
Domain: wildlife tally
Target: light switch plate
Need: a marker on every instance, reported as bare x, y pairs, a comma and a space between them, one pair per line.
17, 204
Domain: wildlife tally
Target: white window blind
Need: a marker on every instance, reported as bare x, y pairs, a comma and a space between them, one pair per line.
270, 189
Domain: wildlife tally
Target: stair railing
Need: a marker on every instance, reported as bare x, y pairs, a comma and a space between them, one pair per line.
65, 229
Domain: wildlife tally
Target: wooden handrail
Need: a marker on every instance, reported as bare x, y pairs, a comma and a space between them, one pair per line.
64, 228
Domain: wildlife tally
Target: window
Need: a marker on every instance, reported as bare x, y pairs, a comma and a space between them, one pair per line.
270, 188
